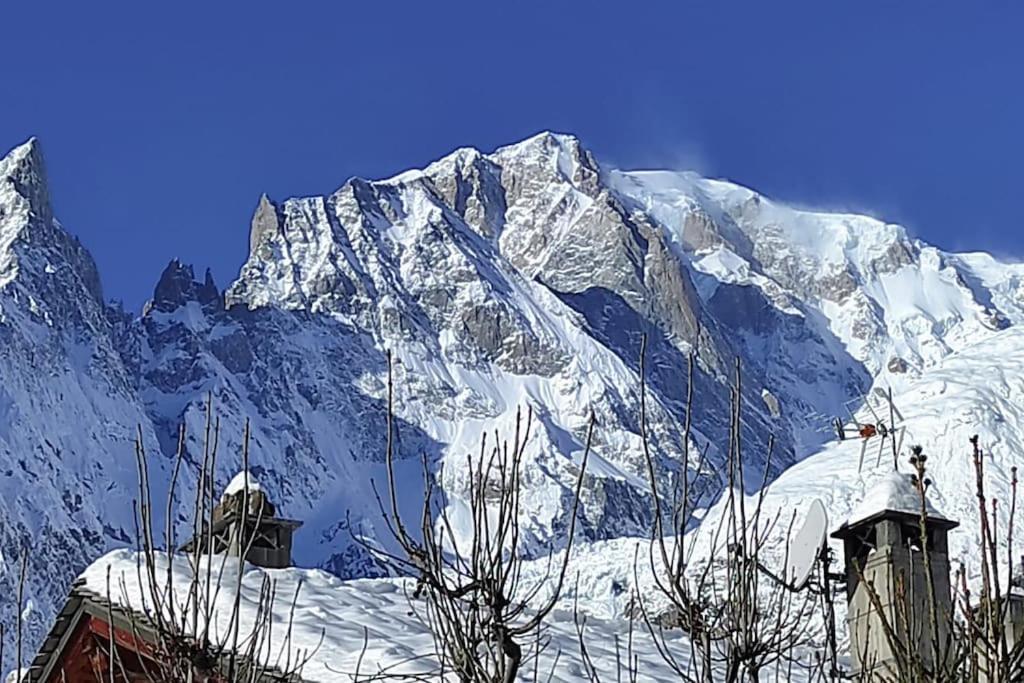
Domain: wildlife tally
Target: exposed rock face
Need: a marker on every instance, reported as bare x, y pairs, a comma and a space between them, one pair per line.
266, 223
525, 278
897, 365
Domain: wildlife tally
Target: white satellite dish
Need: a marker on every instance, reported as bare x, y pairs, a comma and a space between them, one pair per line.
805, 547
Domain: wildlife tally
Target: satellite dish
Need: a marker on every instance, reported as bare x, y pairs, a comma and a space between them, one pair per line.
805, 547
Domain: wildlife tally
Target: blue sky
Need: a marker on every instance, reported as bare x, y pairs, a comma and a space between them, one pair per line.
162, 125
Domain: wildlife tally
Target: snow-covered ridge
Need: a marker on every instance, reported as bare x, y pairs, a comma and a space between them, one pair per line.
523, 277
890, 299
976, 391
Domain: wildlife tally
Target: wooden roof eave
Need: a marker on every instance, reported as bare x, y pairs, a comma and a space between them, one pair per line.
56, 640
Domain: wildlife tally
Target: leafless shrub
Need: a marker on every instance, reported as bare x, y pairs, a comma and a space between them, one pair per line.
998, 644
739, 625
486, 618
19, 636
627, 663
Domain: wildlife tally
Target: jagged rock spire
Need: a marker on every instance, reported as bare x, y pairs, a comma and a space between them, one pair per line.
177, 286
25, 171
33, 246
265, 221
207, 292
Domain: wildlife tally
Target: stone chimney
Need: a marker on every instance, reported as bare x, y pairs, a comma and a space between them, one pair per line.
883, 550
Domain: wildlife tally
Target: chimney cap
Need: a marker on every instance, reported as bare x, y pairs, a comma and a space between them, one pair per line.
242, 481
894, 496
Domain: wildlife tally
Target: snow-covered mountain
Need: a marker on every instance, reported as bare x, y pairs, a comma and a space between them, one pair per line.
69, 408
521, 278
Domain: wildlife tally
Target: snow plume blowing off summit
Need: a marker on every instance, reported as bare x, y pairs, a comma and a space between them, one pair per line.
526, 276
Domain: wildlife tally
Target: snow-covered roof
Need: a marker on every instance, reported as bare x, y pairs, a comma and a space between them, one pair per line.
894, 492
332, 617
238, 484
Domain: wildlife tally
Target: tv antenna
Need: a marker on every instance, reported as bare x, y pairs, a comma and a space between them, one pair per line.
889, 428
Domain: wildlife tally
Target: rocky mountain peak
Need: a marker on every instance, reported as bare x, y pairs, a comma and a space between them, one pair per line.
555, 155
25, 160
178, 286
24, 172
50, 264
266, 222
